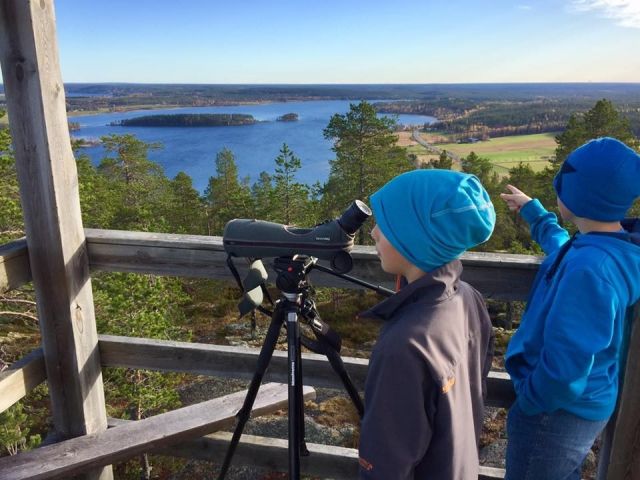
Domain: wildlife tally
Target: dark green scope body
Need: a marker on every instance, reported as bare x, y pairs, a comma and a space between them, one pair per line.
330, 240
244, 237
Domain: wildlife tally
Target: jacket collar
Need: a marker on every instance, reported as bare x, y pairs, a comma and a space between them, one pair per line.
434, 287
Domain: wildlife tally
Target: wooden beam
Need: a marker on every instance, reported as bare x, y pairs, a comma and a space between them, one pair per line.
160, 254
624, 460
239, 362
203, 359
48, 182
74, 456
21, 377
271, 454
219, 360
14, 265
495, 275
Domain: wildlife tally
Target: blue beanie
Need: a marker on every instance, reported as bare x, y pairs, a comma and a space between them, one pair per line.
432, 216
599, 180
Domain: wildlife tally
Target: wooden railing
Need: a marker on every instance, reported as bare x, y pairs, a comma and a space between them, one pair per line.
496, 276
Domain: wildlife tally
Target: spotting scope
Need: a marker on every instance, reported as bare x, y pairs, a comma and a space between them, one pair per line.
330, 240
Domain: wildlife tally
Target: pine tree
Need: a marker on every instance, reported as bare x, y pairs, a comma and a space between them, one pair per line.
98, 200
139, 186
262, 194
366, 158
187, 211
483, 169
444, 162
14, 432
602, 120
225, 195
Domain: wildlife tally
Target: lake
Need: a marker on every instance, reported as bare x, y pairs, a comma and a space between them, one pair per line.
193, 149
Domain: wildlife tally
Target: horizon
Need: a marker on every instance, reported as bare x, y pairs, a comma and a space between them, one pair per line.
412, 42
372, 84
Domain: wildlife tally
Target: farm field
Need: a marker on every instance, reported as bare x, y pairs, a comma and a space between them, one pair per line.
507, 152
504, 152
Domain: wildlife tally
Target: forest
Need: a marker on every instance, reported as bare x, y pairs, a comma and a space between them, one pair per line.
492, 118
126, 191
188, 120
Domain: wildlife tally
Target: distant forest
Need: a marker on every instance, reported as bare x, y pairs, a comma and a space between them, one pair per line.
491, 118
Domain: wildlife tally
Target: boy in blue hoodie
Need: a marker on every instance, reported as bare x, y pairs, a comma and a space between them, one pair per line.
564, 359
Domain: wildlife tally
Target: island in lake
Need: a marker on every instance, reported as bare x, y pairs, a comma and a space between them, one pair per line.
288, 117
188, 120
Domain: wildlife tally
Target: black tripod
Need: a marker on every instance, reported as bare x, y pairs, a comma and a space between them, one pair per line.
295, 305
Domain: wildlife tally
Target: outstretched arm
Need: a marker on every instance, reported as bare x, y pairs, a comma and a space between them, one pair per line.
544, 226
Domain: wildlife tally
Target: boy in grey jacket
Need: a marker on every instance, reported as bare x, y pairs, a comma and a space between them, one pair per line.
426, 380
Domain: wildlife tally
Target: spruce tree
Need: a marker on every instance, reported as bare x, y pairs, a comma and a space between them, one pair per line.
290, 200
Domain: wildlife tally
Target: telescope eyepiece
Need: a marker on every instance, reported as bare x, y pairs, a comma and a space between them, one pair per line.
354, 216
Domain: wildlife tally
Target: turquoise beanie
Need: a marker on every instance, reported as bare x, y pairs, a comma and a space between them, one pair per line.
599, 180
432, 216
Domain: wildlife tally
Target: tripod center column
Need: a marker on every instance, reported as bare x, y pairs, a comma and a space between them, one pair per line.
296, 411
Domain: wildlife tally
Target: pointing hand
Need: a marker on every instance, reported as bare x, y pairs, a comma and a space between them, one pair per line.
516, 199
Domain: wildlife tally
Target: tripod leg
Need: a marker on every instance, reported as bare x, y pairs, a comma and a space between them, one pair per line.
263, 362
293, 344
338, 366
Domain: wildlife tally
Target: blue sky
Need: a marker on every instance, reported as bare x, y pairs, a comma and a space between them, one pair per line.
349, 41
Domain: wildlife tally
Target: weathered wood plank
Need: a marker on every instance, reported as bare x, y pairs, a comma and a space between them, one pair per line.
70, 457
239, 362
500, 276
14, 265
48, 182
624, 460
21, 377
203, 359
219, 360
271, 454
160, 254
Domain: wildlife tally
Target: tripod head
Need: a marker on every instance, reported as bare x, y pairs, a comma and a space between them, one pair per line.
292, 272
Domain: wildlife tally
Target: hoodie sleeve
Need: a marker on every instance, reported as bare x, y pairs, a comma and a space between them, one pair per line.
396, 429
578, 326
545, 229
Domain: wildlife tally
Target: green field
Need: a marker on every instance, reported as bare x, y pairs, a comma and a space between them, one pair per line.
504, 152
507, 152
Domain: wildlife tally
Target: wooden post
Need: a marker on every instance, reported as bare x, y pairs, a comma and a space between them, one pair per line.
624, 457
50, 200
